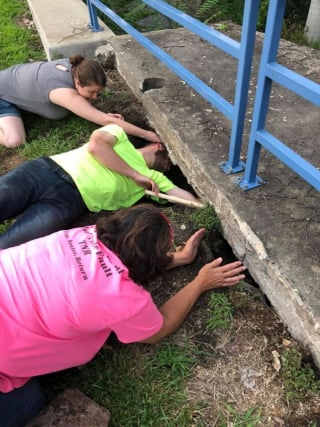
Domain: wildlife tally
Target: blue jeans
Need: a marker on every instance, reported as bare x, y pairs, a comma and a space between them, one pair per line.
22, 404
8, 109
42, 196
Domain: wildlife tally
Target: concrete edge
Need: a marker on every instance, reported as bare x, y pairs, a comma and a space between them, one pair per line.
298, 318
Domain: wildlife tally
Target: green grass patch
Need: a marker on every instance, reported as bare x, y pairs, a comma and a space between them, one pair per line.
5, 225
299, 378
250, 418
219, 311
136, 394
206, 218
18, 42
48, 137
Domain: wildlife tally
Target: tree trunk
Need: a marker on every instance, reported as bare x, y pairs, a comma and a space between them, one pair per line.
312, 28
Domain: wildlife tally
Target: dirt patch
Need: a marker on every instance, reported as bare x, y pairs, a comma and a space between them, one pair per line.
238, 371
241, 373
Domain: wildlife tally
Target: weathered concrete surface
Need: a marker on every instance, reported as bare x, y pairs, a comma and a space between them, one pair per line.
274, 228
63, 28
72, 409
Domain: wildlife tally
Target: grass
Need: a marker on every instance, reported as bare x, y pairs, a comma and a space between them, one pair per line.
250, 418
17, 43
47, 137
137, 394
219, 311
206, 218
299, 377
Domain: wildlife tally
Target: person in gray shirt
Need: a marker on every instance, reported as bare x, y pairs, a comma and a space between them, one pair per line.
52, 90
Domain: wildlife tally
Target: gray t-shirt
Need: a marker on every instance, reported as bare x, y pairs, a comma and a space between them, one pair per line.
27, 86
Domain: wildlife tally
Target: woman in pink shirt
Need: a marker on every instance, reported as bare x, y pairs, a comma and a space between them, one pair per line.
62, 295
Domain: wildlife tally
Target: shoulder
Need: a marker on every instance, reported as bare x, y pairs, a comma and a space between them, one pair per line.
114, 130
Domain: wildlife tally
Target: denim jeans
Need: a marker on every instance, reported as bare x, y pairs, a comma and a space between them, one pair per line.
42, 196
22, 404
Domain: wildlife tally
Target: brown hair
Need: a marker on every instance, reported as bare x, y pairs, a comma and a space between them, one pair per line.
140, 237
162, 161
87, 71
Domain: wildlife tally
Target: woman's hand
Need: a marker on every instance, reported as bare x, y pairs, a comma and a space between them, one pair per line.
189, 251
211, 276
214, 275
145, 182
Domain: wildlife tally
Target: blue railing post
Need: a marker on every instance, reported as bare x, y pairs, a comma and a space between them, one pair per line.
93, 15
270, 71
264, 84
249, 24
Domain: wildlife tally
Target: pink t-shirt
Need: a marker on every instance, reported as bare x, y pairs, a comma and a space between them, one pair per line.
60, 298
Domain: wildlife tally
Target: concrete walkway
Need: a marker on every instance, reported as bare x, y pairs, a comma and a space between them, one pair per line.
274, 228
63, 28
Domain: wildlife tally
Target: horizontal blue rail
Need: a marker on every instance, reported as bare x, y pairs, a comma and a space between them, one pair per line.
220, 40
293, 81
242, 51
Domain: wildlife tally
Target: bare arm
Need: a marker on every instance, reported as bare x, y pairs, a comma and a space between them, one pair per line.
101, 148
183, 194
72, 101
211, 276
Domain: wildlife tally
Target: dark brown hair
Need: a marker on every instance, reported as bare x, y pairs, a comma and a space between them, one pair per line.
140, 237
87, 71
162, 161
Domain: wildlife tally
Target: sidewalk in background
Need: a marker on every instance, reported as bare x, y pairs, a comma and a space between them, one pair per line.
63, 28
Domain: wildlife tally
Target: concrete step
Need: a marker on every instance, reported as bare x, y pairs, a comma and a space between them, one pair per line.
63, 28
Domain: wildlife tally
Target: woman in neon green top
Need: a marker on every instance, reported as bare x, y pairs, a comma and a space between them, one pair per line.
107, 173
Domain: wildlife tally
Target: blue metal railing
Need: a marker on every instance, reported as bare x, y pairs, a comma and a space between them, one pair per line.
242, 51
270, 71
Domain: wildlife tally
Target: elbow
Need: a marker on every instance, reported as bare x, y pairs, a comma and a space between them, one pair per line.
93, 143
152, 340
91, 148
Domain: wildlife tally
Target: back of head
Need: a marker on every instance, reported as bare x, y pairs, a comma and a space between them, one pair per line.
141, 237
162, 161
87, 71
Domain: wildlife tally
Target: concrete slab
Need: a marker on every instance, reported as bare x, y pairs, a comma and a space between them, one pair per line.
275, 229
63, 28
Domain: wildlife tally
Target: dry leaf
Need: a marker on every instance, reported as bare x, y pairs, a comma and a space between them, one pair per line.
276, 360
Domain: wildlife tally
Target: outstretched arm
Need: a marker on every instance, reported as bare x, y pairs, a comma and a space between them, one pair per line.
101, 148
211, 276
183, 194
72, 101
